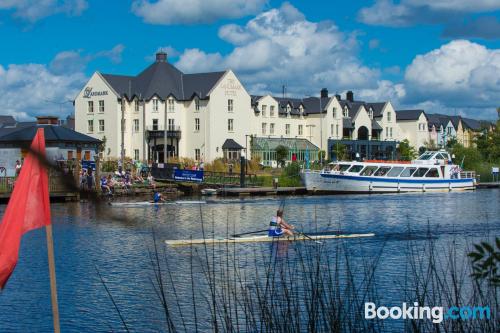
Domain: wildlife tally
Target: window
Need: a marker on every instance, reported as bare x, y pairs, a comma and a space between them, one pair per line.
101, 105
334, 112
171, 105
344, 167
230, 125
331, 130
264, 108
420, 172
287, 129
155, 105
390, 132
433, 173
407, 172
337, 130
370, 113
346, 112
271, 128
155, 124
171, 124
230, 106
382, 171
389, 115
136, 105
136, 154
301, 129
387, 131
395, 172
136, 125
197, 154
90, 107
197, 105
355, 168
271, 111
368, 171
264, 128
101, 125
90, 126
86, 155
196, 124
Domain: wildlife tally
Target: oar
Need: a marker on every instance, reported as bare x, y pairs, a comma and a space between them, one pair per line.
307, 236
249, 233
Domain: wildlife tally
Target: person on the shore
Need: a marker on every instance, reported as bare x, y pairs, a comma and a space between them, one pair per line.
157, 197
104, 186
18, 168
151, 181
278, 226
90, 179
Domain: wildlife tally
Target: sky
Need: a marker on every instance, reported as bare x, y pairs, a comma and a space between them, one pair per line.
442, 56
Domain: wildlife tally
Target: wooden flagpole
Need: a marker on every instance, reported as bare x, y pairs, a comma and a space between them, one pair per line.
52, 273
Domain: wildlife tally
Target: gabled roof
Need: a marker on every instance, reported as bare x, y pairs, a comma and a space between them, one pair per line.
472, 124
231, 144
375, 125
352, 107
314, 104
163, 80
53, 133
7, 121
377, 108
409, 114
455, 120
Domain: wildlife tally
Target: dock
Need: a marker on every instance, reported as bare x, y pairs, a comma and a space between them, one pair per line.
243, 191
488, 185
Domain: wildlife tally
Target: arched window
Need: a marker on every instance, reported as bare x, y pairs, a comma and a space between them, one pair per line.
346, 112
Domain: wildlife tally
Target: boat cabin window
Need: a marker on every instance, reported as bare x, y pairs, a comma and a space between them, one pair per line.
407, 172
426, 156
420, 172
382, 171
344, 167
432, 173
368, 171
442, 156
395, 172
356, 168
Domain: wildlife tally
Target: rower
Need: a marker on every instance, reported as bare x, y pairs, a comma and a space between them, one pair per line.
278, 226
157, 197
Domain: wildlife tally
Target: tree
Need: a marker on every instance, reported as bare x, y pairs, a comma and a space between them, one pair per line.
340, 151
281, 155
321, 155
430, 145
405, 151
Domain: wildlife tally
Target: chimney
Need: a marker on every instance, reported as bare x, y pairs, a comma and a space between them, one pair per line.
349, 96
47, 120
339, 98
324, 93
161, 56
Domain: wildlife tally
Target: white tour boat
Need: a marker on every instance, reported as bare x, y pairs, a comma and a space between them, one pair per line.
432, 171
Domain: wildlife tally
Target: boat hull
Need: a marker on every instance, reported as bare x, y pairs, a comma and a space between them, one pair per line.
338, 183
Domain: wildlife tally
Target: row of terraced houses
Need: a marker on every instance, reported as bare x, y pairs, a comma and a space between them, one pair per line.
162, 113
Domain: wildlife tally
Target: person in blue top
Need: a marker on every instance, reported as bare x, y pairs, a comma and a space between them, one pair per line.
104, 186
157, 197
278, 227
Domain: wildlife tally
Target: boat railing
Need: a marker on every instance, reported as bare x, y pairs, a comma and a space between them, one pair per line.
468, 174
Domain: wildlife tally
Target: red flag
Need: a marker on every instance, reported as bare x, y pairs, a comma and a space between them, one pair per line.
28, 208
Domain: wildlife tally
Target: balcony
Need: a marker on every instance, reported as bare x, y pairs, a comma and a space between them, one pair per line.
159, 131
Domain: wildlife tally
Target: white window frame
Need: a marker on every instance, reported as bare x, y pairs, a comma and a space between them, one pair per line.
171, 124
264, 109
230, 105
136, 125
197, 104
196, 124
137, 105
90, 126
153, 124
101, 125
287, 129
271, 111
271, 128
301, 130
90, 107
197, 154
264, 128
136, 154
389, 116
155, 104
230, 125
101, 106
171, 105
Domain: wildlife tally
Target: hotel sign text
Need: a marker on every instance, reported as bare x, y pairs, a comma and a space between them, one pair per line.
87, 93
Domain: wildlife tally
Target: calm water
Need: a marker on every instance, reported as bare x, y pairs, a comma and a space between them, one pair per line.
118, 247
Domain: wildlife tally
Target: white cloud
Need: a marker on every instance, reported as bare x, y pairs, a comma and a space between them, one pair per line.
33, 11
460, 73
409, 12
29, 90
281, 46
168, 12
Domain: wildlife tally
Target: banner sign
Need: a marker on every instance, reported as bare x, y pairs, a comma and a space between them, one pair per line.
188, 175
88, 164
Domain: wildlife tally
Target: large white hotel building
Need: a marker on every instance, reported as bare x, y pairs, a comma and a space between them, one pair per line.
205, 116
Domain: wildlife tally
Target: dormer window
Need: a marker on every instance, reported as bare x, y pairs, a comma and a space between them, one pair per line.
370, 113
155, 105
346, 112
334, 113
288, 108
171, 105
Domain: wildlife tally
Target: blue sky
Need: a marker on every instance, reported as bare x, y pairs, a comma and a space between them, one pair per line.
439, 55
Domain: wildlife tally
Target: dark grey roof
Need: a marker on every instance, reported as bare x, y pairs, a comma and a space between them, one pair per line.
409, 114
347, 123
455, 120
375, 124
376, 107
353, 107
472, 124
231, 144
7, 121
313, 104
163, 80
53, 133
